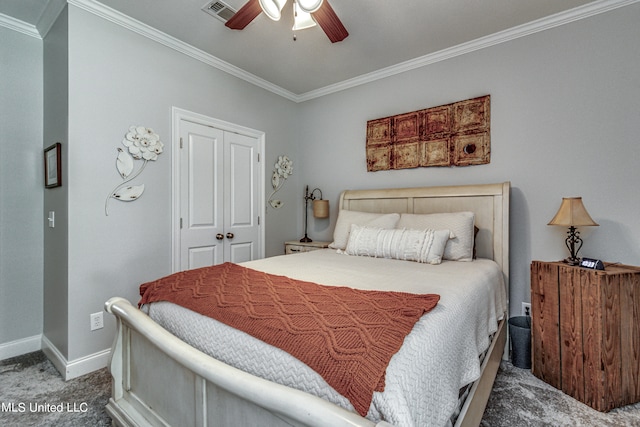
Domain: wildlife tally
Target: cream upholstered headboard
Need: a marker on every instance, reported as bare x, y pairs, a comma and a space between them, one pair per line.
489, 202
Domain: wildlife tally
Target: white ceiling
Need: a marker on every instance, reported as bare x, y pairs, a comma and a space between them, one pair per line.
382, 33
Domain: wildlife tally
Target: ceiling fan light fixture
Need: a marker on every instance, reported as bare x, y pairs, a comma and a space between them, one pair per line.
301, 19
309, 6
272, 8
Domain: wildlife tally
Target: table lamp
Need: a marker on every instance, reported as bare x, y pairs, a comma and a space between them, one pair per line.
572, 214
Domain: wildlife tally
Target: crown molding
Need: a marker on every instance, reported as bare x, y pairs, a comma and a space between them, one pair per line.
46, 21
145, 30
533, 27
19, 26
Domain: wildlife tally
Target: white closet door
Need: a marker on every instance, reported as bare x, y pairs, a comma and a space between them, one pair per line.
219, 199
201, 196
241, 198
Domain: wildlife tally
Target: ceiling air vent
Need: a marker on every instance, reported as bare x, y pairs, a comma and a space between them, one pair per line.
219, 10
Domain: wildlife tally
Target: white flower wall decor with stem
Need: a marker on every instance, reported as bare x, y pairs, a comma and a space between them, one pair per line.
141, 144
282, 170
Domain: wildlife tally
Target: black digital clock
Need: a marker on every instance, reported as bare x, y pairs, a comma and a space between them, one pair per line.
593, 264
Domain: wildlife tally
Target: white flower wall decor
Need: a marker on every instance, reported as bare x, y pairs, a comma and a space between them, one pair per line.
282, 170
141, 144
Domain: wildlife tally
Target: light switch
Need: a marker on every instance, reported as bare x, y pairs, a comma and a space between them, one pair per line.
52, 219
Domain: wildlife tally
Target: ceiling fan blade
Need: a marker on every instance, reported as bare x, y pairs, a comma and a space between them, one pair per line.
328, 20
245, 15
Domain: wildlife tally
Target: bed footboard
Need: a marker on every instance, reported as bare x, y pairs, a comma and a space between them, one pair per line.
158, 380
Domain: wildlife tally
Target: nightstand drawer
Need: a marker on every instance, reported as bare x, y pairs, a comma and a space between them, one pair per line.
292, 249
297, 247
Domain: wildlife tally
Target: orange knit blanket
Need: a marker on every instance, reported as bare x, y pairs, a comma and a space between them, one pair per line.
348, 336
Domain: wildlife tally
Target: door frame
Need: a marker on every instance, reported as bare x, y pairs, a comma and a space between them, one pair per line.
179, 114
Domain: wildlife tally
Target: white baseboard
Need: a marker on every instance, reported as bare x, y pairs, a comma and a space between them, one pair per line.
78, 367
20, 347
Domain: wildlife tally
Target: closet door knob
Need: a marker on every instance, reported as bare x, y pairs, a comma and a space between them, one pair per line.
219, 236
229, 235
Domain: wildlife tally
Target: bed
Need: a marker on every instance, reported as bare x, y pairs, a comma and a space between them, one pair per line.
160, 379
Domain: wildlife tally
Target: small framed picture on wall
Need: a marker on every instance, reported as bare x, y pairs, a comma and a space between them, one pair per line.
53, 166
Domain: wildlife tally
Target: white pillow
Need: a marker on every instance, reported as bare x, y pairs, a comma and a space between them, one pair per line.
459, 248
347, 218
425, 246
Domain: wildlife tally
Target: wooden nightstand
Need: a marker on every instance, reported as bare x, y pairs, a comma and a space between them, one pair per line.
586, 331
294, 246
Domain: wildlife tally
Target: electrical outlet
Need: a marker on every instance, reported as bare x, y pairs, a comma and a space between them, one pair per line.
97, 321
526, 309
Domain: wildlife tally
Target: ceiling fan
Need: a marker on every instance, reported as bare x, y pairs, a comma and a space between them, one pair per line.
320, 10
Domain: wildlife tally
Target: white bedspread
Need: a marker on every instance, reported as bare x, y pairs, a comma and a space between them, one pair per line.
437, 358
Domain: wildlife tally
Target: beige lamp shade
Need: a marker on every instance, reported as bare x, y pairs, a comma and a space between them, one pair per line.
572, 213
321, 208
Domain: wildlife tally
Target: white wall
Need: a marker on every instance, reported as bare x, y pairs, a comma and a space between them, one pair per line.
564, 122
118, 78
21, 188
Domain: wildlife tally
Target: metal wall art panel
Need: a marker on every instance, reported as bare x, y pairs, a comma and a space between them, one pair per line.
457, 134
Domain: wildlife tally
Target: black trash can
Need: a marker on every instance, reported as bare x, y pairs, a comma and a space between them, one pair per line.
520, 334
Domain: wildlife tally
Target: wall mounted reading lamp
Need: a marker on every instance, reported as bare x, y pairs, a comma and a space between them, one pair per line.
320, 208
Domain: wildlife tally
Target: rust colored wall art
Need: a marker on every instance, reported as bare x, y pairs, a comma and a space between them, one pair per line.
457, 134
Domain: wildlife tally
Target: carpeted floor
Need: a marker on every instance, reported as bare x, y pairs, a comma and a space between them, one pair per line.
520, 399
32, 393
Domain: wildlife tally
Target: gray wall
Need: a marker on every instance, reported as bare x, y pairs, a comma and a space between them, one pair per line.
21, 187
56, 119
564, 122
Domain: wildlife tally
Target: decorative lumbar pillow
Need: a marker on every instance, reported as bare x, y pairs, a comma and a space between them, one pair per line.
459, 248
347, 218
426, 246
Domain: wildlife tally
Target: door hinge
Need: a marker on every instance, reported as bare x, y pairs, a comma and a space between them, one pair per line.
258, 220
181, 223
258, 157
180, 142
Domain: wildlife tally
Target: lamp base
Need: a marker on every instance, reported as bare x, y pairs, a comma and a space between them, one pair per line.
305, 239
573, 243
572, 261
